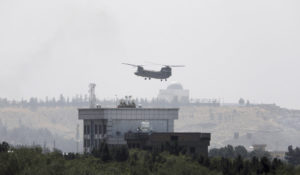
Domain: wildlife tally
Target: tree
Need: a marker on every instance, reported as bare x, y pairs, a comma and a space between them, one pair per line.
62, 100
228, 151
214, 153
96, 152
241, 101
238, 164
255, 165
265, 164
293, 155
248, 103
70, 156
105, 154
4, 147
241, 150
226, 166
120, 154
259, 154
276, 164
246, 170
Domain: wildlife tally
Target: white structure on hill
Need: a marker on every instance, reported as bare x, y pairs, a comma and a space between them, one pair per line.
174, 93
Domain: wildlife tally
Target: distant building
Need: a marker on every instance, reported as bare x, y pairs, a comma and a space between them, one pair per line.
259, 147
249, 136
192, 143
174, 93
236, 135
110, 124
278, 154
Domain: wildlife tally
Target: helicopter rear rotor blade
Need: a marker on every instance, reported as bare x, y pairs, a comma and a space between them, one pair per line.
175, 65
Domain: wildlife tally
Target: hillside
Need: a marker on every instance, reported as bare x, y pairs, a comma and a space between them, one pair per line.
45, 126
260, 124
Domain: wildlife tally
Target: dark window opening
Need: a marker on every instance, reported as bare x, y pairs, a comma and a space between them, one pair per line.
87, 129
96, 129
174, 138
192, 149
88, 143
104, 129
100, 129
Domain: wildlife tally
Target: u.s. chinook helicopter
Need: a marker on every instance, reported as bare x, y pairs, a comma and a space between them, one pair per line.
164, 73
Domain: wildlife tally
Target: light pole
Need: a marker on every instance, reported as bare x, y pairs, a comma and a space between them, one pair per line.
116, 99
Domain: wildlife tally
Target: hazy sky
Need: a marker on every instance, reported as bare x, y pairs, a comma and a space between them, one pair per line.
231, 48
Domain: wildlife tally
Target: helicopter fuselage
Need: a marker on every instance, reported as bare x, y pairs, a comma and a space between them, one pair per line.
164, 73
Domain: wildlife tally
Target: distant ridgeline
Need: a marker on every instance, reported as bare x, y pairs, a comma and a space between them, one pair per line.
83, 101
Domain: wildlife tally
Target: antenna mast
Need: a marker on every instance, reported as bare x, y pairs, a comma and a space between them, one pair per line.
92, 97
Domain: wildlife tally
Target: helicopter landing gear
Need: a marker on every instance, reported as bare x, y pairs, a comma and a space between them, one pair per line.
145, 78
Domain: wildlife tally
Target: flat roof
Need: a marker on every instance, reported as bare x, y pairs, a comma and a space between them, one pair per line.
172, 133
127, 109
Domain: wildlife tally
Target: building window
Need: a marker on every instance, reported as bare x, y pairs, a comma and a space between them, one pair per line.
88, 143
192, 149
87, 129
84, 129
99, 143
100, 129
104, 129
174, 138
96, 129
96, 144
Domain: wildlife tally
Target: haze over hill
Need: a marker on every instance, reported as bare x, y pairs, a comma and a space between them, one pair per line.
267, 124
232, 48
255, 124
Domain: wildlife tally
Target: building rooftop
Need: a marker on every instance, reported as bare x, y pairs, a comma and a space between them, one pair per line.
175, 86
109, 108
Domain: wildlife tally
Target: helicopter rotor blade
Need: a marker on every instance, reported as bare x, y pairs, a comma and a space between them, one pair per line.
175, 65
166, 65
133, 65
